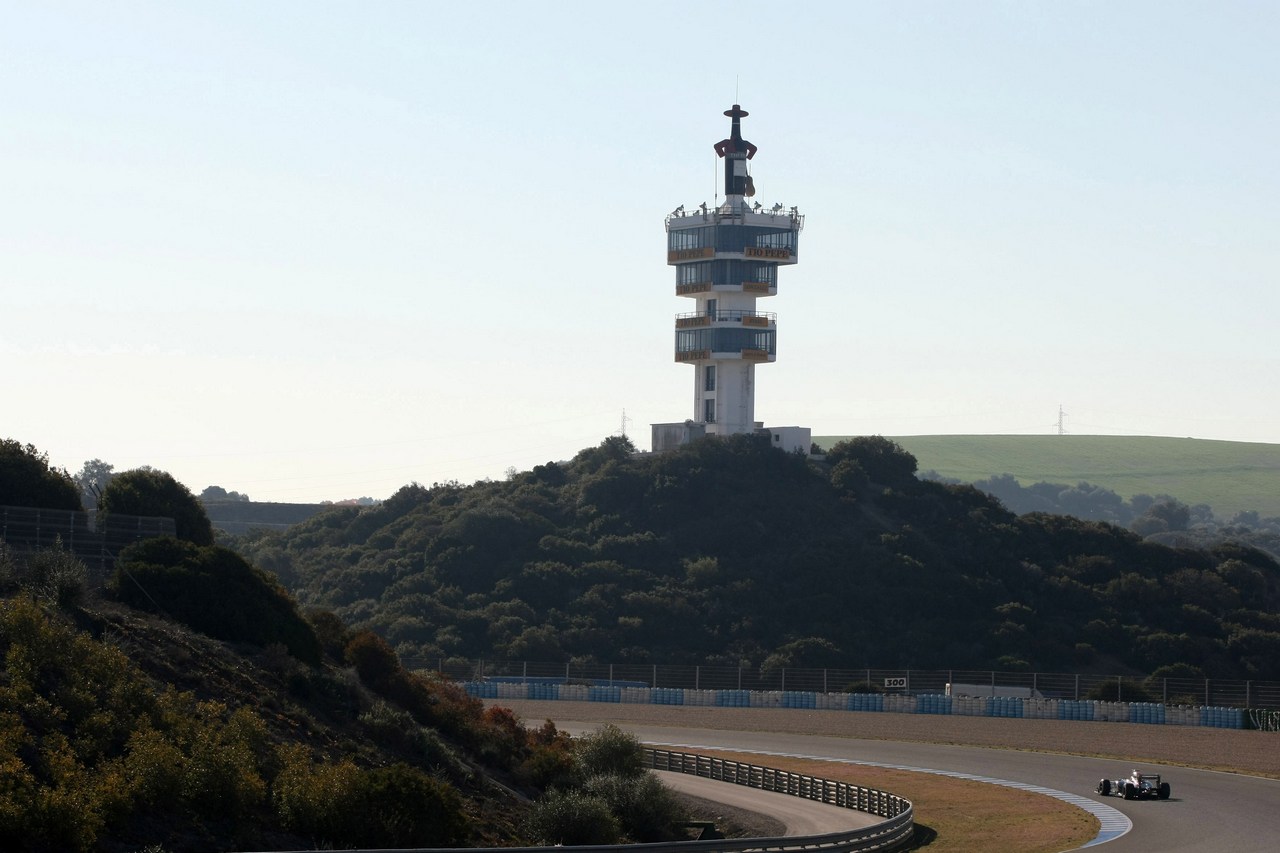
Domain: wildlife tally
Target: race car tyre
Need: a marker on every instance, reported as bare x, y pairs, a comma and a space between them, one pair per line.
1104, 787
1163, 791
1130, 792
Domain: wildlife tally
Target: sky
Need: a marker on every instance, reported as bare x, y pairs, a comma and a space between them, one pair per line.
314, 251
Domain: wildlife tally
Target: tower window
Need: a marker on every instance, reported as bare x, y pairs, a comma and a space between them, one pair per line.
709, 410
710, 378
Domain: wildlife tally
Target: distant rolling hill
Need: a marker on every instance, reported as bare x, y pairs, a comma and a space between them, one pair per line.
1229, 476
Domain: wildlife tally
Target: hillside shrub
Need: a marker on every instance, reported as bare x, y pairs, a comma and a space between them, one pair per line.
571, 818
396, 730
55, 575
311, 798
645, 809
222, 776
340, 803
610, 750
215, 591
156, 494
432, 700
550, 762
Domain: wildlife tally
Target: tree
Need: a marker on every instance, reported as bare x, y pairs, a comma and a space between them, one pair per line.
1167, 514
27, 479
148, 492
217, 493
884, 461
92, 478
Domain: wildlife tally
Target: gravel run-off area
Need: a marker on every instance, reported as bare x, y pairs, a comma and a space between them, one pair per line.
1242, 751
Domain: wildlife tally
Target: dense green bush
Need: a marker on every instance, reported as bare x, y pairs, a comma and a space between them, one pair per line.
550, 762
571, 818
27, 479
215, 591
645, 808
156, 494
56, 576
338, 803
610, 750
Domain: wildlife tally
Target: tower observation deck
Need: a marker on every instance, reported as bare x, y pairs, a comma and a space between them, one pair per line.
726, 257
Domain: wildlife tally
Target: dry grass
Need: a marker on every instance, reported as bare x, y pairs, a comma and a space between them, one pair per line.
965, 815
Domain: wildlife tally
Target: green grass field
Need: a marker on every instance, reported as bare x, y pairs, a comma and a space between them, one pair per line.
1228, 475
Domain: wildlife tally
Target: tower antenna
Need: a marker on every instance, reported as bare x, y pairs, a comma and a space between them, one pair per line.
1061, 421
625, 419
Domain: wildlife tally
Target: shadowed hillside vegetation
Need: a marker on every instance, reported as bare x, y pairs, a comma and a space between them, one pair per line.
121, 730
731, 552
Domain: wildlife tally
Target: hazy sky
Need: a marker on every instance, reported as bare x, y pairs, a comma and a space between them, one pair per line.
313, 251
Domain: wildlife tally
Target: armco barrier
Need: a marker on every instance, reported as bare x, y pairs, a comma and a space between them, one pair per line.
891, 834
1082, 710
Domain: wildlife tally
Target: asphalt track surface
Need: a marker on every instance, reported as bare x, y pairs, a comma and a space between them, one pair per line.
1209, 810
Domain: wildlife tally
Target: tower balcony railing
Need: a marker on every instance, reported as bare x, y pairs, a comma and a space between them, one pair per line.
746, 354
758, 319
754, 213
774, 254
695, 287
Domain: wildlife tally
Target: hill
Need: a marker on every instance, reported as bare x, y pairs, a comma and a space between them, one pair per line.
122, 730
1230, 476
730, 552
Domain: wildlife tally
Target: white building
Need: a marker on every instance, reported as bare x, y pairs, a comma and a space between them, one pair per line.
726, 257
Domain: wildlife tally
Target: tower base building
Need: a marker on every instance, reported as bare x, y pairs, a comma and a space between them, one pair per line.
726, 257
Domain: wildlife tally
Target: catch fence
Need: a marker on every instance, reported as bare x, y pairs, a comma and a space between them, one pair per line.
1227, 693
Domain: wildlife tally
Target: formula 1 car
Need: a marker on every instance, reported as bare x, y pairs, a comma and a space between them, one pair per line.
1139, 786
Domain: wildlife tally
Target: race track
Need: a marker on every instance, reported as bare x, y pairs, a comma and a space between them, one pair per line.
1209, 810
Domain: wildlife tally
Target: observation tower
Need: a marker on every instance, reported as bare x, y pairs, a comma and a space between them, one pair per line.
725, 258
